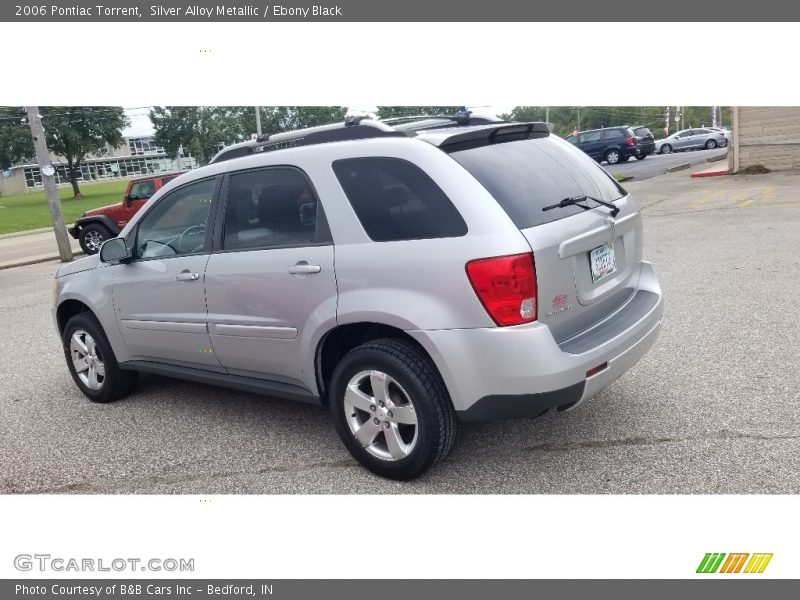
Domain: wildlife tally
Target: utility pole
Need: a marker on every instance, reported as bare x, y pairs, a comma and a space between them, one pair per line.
546, 114
258, 120
49, 182
579, 118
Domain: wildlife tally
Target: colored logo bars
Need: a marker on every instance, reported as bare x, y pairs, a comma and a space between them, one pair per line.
734, 562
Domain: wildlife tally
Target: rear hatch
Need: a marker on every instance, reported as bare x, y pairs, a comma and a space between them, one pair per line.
644, 138
527, 175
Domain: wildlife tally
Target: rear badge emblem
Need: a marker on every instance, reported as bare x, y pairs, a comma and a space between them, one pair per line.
559, 305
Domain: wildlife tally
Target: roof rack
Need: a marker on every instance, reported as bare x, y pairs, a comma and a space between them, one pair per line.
419, 122
482, 130
354, 128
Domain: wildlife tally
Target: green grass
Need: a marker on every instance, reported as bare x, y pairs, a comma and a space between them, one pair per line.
30, 211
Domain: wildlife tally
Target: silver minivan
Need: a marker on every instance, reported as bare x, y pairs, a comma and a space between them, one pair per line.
407, 274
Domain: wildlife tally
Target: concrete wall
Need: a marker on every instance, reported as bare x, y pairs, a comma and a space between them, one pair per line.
766, 135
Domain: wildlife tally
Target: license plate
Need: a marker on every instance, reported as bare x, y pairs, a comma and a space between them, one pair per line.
602, 262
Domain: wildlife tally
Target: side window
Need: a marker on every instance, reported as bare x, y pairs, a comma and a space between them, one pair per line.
395, 200
613, 134
272, 207
176, 225
591, 136
142, 190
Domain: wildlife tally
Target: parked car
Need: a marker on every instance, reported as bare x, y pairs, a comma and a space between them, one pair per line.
611, 144
483, 270
96, 226
691, 139
724, 131
644, 140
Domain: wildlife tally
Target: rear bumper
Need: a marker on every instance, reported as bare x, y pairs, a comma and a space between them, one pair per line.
510, 372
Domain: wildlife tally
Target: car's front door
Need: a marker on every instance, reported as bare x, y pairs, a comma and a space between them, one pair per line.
159, 300
590, 142
270, 281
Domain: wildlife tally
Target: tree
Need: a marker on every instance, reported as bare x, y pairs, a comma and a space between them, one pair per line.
203, 130
199, 130
389, 112
76, 132
15, 137
276, 119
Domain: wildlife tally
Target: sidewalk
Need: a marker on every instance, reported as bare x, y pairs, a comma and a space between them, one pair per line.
28, 248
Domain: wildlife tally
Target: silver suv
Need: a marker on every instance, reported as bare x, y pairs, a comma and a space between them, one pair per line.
407, 274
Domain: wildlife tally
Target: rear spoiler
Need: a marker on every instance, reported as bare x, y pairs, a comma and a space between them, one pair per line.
485, 136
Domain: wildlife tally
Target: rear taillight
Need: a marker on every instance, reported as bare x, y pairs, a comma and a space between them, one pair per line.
506, 286
630, 141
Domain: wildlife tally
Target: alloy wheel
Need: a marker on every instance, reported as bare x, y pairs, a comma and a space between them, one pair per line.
93, 240
86, 360
381, 415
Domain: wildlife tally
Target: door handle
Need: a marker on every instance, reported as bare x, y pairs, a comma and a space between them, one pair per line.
303, 268
187, 276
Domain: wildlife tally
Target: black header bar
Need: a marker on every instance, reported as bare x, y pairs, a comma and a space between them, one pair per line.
537, 11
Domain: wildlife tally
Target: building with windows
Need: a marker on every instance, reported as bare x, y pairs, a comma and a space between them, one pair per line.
136, 156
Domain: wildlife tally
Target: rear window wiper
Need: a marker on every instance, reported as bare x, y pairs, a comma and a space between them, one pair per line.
576, 201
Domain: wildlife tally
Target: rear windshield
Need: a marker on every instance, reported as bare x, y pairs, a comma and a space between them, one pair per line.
527, 175
642, 131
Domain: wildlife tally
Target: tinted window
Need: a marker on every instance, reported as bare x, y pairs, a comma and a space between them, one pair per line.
642, 132
271, 207
613, 134
165, 180
525, 176
395, 200
177, 223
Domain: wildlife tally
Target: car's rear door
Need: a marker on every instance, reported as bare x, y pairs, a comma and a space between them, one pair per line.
270, 280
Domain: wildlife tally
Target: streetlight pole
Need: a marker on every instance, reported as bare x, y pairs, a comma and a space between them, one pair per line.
258, 120
49, 182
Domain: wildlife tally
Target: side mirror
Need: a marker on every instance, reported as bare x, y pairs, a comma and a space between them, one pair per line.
115, 250
126, 199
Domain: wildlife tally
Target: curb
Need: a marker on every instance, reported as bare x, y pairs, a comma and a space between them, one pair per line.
4, 236
33, 260
678, 168
717, 158
710, 173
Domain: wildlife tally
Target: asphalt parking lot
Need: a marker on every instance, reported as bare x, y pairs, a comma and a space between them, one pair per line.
657, 164
713, 408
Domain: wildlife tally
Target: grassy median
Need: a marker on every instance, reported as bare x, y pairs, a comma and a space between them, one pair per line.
30, 211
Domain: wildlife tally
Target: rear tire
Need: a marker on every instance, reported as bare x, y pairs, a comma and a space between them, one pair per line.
665, 149
369, 383
92, 237
91, 361
612, 157
641, 156
711, 144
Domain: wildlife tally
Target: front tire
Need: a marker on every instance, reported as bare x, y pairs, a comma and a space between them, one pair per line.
92, 237
391, 408
91, 361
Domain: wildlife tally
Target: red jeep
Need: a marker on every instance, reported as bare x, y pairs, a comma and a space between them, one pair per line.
95, 226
